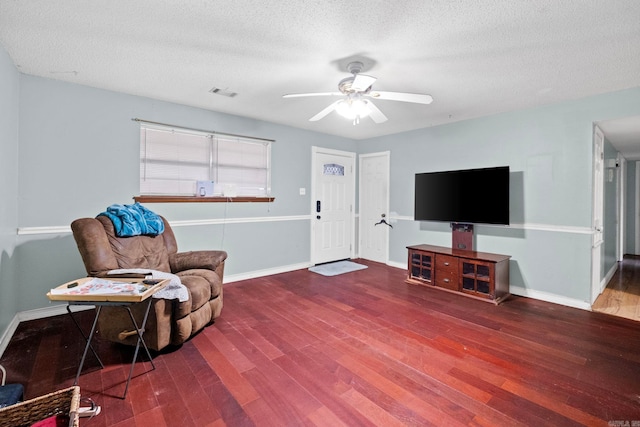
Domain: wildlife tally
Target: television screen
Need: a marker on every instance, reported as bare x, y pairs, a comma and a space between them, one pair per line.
473, 196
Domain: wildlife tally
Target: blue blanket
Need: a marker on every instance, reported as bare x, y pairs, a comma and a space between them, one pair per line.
134, 220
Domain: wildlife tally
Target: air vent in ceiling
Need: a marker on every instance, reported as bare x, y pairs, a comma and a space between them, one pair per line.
223, 92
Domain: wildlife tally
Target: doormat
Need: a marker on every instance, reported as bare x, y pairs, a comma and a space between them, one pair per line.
338, 267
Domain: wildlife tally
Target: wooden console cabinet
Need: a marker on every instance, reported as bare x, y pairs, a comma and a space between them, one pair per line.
479, 275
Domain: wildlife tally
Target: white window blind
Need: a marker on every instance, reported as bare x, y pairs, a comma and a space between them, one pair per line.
173, 159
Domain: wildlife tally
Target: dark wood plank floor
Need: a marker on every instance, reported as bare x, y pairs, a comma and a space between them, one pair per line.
360, 349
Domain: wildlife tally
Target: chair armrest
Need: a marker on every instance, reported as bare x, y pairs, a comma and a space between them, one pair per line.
209, 260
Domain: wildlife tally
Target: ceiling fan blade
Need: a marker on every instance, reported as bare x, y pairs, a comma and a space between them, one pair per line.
417, 98
362, 82
375, 113
300, 95
324, 112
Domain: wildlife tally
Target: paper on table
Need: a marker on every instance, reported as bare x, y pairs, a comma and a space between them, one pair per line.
97, 286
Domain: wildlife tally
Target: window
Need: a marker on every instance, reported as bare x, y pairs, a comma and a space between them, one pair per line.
173, 159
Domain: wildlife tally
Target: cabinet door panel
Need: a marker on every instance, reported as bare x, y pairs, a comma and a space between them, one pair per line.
421, 266
477, 277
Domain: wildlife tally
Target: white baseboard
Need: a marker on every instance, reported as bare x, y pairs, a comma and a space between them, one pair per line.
545, 296
266, 272
8, 333
400, 265
56, 309
607, 278
37, 313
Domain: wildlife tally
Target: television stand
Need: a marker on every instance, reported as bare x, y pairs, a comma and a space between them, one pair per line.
478, 275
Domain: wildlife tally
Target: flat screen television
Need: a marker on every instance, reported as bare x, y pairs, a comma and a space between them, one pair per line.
473, 196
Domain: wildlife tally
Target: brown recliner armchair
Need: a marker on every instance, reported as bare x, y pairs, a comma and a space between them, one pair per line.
170, 321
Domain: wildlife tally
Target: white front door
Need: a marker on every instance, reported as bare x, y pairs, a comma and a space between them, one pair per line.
598, 212
374, 207
333, 199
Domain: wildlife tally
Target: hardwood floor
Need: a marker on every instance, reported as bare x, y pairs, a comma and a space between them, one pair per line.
621, 297
359, 349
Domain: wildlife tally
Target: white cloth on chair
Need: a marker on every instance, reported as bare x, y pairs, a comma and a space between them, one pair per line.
174, 290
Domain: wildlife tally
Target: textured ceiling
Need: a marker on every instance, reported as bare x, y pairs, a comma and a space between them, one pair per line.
476, 58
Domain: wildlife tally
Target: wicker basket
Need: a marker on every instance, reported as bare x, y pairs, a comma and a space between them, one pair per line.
65, 401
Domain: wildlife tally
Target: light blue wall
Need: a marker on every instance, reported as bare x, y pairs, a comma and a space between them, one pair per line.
79, 151
9, 102
549, 152
79, 154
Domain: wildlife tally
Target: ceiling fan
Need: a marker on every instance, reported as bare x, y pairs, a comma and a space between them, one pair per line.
356, 91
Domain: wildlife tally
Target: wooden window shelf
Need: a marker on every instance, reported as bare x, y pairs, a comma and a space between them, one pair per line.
197, 199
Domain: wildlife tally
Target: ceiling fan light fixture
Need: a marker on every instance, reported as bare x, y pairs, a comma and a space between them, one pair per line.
352, 109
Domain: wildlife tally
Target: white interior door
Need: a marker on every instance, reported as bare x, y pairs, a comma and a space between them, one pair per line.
374, 207
621, 203
598, 212
333, 199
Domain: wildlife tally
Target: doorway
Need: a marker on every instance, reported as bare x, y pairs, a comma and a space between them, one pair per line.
620, 296
332, 208
598, 212
374, 223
